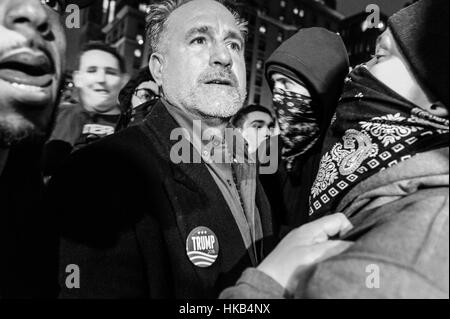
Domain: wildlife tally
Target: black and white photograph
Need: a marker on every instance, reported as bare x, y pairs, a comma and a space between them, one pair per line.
224, 154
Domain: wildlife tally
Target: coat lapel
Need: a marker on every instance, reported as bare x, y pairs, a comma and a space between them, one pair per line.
197, 200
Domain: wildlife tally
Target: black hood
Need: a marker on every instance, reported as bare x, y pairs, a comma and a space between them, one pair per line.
126, 93
317, 57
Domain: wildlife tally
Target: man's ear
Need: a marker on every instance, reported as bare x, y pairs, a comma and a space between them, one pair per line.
77, 79
156, 65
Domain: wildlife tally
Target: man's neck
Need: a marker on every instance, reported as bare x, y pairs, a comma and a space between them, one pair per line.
3, 158
212, 125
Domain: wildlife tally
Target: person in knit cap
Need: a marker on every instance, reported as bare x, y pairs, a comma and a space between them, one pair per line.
385, 168
306, 74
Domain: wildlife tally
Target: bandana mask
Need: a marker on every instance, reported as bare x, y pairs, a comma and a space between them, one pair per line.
374, 129
299, 130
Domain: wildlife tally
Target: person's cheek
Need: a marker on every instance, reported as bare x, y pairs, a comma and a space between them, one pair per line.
254, 135
198, 61
259, 138
88, 80
241, 72
57, 47
59, 43
371, 63
277, 86
113, 82
246, 135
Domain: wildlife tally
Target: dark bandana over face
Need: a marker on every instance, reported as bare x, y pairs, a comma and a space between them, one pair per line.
374, 129
298, 125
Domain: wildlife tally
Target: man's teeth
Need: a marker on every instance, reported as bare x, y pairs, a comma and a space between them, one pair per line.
31, 88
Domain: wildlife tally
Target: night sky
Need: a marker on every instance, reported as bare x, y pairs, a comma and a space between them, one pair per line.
388, 7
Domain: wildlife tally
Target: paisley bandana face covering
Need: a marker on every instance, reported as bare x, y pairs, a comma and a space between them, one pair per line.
375, 129
299, 129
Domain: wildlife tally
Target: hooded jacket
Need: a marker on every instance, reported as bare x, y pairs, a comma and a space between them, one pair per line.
318, 58
401, 220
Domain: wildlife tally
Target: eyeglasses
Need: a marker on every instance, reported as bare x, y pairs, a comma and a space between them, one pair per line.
145, 95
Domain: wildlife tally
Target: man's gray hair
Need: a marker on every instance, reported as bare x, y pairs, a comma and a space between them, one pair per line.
159, 13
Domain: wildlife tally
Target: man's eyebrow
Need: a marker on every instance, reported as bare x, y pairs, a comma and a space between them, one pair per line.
206, 30
287, 80
197, 30
106, 68
258, 122
235, 35
111, 68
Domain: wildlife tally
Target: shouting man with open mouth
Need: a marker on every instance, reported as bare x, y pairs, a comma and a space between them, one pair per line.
32, 50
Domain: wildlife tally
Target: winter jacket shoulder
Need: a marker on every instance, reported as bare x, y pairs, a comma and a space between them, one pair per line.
401, 235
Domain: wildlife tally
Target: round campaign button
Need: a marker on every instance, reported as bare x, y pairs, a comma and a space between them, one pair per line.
202, 247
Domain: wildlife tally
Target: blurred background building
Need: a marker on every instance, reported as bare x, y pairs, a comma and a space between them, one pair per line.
122, 24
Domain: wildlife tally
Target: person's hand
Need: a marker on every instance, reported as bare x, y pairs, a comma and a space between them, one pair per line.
304, 247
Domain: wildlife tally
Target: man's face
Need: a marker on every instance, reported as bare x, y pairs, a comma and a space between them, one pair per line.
203, 69
99, 80
32, 50
256, 128
285, 83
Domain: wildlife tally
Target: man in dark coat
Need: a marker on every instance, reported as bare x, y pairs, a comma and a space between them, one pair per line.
147, 214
